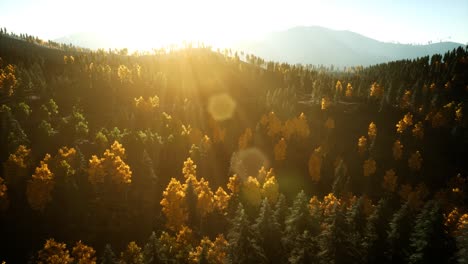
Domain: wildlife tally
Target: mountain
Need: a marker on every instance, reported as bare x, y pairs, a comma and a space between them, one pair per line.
317, 45
92, 40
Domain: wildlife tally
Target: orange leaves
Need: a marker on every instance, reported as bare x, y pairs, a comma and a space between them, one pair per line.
280, 150
39, 188
415, 161
270, 189
325, 103
376, 90
251, 191
245, 138
369, 167
221, 200
174, 205
315, 164
397, 150
390, 181
8, 80
146, 105
21, 157
54, 252
214, 252
349, 90
83, 254
372, 131
362, 145
132, 254
110, 166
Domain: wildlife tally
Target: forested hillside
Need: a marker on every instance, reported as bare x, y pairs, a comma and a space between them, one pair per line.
196, 155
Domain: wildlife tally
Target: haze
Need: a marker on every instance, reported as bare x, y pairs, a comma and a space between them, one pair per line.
224, 22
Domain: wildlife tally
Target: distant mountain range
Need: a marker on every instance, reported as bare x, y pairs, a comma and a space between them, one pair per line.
307, 45
317, 45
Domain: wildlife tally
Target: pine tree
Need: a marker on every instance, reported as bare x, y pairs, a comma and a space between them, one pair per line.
268, 232
297, 224
280, 211
243, 248
375, 232
108, 256
335, 242
151, 250
398, 234
428, 241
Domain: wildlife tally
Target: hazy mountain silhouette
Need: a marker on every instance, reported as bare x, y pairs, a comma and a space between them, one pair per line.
318, 45
307, 45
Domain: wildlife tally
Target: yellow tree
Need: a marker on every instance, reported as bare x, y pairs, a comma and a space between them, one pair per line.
110, 167
369, 167
415, 161
132, 254
16, 167
362, 145
397, 150
174, 205
390, 181
349, 90
3, 194
251, 191
245, 138
221, 200
83, 254
315, 164
280, 150
40, 186
270, 189
54, 253
372, 131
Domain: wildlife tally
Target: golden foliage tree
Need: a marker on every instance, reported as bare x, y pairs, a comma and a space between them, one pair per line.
54, 253
315, 164
280, 150
362, 145
40, 186
245, 138
369, 167
132, 254
397, 150
372, 131
376, 90
110, 167
390, 181
415, 161
83, 254
251, 191
174, 205
349, 90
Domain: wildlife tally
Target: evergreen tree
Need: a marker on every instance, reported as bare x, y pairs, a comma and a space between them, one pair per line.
299, 226
429, 242
375, 232
335, 242
268, 232
243, 248
398, 234
108, 256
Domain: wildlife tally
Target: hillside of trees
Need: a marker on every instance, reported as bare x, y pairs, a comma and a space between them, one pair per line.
195, 155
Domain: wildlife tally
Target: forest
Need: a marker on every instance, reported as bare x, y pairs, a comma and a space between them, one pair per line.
202, 155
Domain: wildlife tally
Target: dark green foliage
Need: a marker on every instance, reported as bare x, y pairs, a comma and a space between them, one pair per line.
429, 227
336, 243
462, 244
401, 226
300, 230
243, 248
375, 233
268, 233
108, 256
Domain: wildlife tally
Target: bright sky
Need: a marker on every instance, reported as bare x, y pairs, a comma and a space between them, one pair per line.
222, 21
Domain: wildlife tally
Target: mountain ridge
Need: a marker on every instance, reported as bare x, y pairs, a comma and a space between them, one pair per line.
319, 45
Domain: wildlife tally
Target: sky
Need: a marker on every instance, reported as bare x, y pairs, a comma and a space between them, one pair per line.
222, 21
